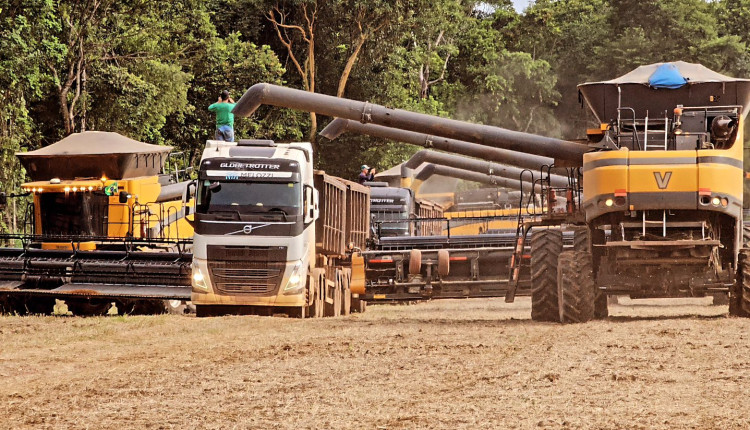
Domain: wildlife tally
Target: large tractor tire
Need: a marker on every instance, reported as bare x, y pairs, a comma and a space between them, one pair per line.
746, 234
89, 307
546, 246
576, 288
739, 296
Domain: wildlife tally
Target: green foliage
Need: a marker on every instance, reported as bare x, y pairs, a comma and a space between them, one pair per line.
152, 68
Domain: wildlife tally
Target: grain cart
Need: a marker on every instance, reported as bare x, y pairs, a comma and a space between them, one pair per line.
274, 236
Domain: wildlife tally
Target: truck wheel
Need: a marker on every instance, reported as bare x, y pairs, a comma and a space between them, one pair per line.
203, 311
581, 239
739, 296
576, 289
546, 246
346, 299
176, 307
444, 262
415, 262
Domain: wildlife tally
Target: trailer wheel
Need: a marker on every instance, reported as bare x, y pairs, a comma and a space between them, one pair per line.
581, 239
444, 262
334, 309
546, 246
415, 262
739, 297
346, 300
576, 288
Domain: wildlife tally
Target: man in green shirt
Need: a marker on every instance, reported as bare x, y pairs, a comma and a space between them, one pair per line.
224, 117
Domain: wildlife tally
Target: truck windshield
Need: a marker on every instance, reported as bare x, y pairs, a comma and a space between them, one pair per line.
249, 197
391, 228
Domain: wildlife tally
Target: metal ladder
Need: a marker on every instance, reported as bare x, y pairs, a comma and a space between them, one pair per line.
655, 146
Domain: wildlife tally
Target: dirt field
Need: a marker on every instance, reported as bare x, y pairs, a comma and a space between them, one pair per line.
452, 364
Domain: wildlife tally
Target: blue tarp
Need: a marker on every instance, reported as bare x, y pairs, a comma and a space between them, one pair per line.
667, 76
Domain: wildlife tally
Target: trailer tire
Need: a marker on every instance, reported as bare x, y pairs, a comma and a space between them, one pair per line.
444, 262
576, 288
581, 239
346, 299
415, 262
546, 246
739, 296
334, 309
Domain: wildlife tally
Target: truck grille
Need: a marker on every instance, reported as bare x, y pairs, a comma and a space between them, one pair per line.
246, 269
246, 278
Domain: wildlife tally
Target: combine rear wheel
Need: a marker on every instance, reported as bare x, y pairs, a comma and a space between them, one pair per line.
739, 297
546, 245
576, 288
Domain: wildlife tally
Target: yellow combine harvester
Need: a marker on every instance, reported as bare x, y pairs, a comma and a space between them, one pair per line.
102, 226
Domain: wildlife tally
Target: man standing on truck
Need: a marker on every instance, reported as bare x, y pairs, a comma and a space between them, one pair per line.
224, 117
367, 174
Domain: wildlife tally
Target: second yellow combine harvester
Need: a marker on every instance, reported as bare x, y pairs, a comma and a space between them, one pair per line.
102, 226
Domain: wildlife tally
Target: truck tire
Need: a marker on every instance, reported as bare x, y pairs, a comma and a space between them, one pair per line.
444, 262
320, 292
739, 296
581, 239
415, 262
334, 309
346, 299
546, 246
576, 287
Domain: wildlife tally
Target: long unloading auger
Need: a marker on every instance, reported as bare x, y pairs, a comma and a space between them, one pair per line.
475, 165
260, 94
431, 169
527, 161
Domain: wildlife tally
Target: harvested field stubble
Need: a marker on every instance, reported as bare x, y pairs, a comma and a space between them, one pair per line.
450, 364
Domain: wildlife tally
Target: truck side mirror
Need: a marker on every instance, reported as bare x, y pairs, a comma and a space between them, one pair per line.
311, 205
3, 199
187, 194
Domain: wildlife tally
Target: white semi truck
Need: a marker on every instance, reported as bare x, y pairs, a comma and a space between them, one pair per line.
274, 236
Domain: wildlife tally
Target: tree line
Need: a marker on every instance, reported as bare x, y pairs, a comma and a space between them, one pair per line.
149, 68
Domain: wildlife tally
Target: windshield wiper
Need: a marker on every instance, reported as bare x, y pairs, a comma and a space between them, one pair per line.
283, 212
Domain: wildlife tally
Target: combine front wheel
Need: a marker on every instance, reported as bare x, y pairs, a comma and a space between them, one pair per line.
739, 297
546, 245
576, 288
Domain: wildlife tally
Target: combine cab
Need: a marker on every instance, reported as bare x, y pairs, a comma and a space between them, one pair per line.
102, 225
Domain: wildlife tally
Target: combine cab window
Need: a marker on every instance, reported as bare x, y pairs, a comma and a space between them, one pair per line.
64, 214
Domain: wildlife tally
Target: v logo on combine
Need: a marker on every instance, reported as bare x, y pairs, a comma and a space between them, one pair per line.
662, 181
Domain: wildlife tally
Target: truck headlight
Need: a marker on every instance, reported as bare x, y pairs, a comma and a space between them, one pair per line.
198, 279
294, 284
